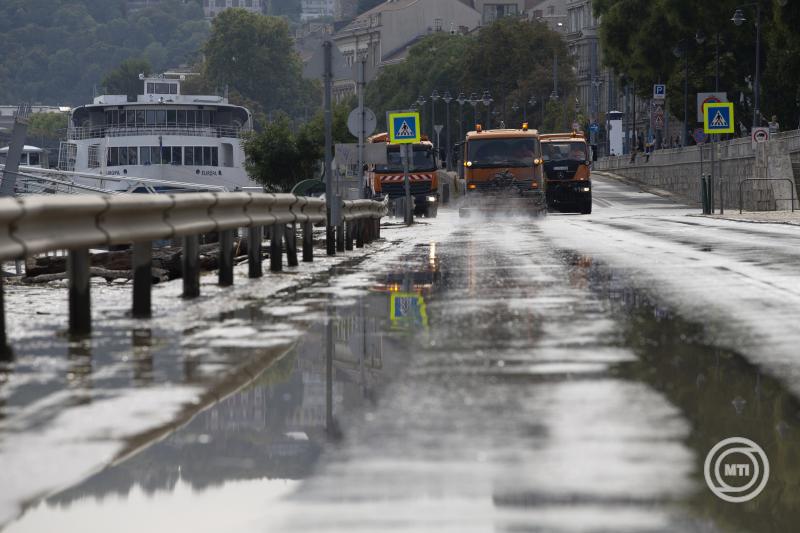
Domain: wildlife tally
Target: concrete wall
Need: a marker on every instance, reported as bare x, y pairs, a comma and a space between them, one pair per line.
679, 171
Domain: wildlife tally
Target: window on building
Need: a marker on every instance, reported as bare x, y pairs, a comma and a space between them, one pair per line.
492, 12
437, 25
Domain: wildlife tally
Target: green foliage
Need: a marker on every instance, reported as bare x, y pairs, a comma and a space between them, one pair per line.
254, 56
54, 51
644, 41
125, 78
49, 126
279, 157
512, 59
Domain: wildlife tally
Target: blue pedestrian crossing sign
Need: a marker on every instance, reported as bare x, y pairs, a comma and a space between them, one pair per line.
404, 128
718, 118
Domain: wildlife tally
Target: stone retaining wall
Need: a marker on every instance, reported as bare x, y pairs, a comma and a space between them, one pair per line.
679, 170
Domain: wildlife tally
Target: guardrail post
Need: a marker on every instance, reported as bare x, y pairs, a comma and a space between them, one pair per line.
80, 306
254, 237
330, 239
359, 229
142, 266
5, 351
308, 242
191, 266
340, 237
290, 230
275, 248
226, 258
348, 236
378, 228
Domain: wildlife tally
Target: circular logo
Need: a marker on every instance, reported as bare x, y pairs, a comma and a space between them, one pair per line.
736, 469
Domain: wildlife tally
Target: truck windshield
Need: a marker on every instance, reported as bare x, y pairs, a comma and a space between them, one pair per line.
502, 152
564, 151
423, 160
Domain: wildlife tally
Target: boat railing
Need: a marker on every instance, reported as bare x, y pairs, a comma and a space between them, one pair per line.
99, 132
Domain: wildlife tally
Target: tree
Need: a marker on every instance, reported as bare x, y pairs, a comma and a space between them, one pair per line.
254, 55
125, 78
278, 157
48, 126
511, 58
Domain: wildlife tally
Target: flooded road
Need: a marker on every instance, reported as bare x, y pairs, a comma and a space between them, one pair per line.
486, 378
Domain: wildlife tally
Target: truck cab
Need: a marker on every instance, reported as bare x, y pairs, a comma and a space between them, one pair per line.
567, 172
505, 163
387, 180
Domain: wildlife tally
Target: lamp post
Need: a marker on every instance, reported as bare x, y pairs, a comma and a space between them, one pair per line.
487, 101
447, 98
461, 101
738, 19
473, 100
434, 98
421, 101
682, 50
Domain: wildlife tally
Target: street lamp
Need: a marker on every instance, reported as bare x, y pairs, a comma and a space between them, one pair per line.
462, 99
739, 19
434, 98
532, 102
447, 98
683, 50
473, 100
487, 101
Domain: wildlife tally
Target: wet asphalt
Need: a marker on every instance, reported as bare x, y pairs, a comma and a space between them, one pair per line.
487, 379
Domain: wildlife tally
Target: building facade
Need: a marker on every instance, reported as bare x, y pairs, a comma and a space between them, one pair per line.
491, 10
212, 8
551, 12
317, 9
384, 34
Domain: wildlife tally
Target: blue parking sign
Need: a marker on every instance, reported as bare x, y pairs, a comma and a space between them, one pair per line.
659, 91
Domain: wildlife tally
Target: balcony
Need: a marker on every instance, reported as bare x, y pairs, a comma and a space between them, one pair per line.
99, 132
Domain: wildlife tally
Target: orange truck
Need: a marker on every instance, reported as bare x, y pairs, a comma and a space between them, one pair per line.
388, 179
567, 172
503, 171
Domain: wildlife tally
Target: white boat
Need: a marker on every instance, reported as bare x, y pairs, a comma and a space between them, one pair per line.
164, 135
32, 156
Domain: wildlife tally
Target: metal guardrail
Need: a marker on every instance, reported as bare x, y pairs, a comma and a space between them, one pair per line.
32, 225
741, 183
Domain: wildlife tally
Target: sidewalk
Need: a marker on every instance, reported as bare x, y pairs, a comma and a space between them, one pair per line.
759, 217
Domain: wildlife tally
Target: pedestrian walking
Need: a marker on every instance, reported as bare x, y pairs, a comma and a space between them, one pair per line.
774, 127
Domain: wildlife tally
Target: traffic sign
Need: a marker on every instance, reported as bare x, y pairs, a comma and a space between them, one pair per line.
700, 136
760, 135
354, 122
708, 98
659, 91
658, 117
594, 127
718, 118
404, 127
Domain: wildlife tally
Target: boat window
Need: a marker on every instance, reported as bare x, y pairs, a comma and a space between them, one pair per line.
123, 155
161, 117
206, 155
206, 118
166, 155
171, 117
188, 156
133, 155
112, 117
140, 117
214, 156
177, 157
33, 159
181, 118
113, 156
145, 155
198, 155
155, 155
151, 117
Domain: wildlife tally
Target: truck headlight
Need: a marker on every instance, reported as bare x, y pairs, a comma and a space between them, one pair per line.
586, 189
431, 198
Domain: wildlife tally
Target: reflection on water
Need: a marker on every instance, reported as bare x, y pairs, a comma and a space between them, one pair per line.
721, 395
253, 444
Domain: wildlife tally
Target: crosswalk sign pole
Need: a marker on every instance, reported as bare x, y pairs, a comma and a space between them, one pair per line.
406, 152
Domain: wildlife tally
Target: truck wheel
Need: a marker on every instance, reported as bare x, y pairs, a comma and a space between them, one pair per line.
431, 211
586, 206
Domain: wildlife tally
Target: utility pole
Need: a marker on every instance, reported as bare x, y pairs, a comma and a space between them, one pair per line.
330, 195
